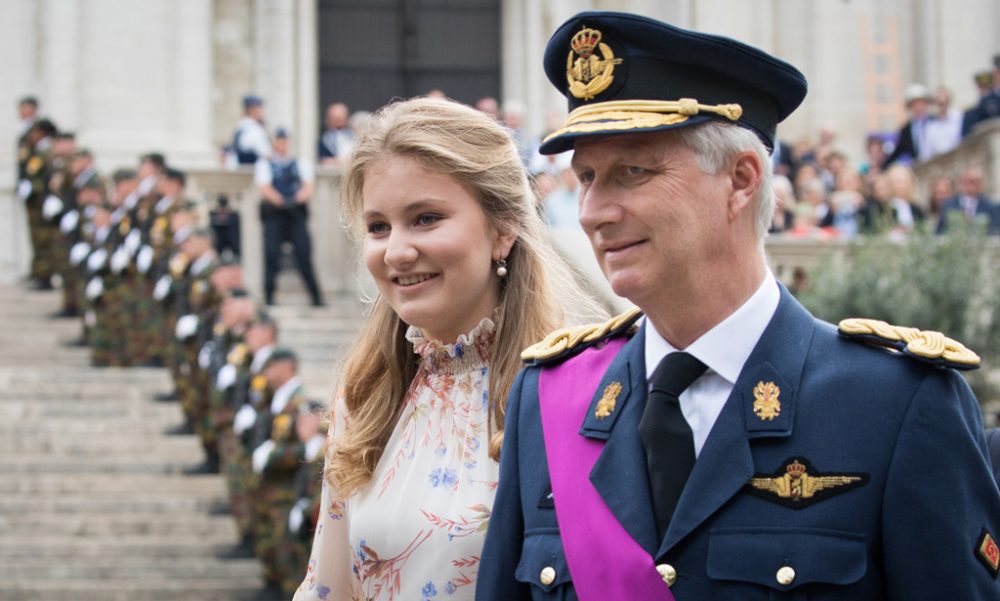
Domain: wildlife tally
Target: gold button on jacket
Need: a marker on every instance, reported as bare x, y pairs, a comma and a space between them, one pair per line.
785, 576
548, 576
668, 573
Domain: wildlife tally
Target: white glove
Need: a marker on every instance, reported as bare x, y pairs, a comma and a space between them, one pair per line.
95, 288
244, 419
313, 446
133, 241
144, 260
51, 207
297, 516
120, 259
162, 287
97, 259
205, 355
90, 318
187, 325
226, 377
68, 222
78, 253
261, 455
23, 189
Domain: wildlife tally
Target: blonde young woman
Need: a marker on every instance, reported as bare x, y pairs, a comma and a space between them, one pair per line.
453, 239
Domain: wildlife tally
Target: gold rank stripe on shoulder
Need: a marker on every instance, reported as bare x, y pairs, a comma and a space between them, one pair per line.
933, 347
569, 338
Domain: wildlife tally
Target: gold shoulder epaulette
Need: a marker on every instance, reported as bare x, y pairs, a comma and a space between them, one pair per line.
923, 345
568, 341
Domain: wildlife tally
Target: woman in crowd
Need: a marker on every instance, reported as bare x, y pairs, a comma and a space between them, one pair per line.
453, 240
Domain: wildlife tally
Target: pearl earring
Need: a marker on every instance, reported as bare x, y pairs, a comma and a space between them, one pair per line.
501, 267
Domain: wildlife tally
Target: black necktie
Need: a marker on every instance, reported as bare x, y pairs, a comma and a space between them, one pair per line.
666, 435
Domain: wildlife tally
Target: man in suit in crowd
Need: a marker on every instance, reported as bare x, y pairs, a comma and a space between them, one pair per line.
912, 143
971, 204
337, 140
730, 445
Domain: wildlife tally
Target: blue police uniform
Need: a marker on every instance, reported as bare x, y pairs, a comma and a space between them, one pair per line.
288, 223
834, 470
909, 523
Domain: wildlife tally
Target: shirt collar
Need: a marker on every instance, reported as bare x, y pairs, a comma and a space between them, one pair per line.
283, 394
262, 355
726, 347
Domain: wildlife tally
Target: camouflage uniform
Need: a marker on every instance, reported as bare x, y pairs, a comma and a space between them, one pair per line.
33, 174
277, 459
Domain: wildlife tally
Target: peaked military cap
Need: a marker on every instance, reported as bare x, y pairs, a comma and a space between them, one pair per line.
252, 100
624, 73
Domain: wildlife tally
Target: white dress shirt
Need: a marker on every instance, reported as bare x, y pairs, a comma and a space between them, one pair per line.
724, 349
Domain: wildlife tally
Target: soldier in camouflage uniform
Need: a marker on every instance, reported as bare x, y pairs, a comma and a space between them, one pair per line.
276, 458
32, 188
252, 334
117, 288
64, 194
143, 312
311, 430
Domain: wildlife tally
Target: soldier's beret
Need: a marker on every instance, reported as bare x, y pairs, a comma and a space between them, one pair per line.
281, 354
84, 152
122, 175
239, 293
624, 73
262, 318
175, 174
281, 134
229, 259
251, 100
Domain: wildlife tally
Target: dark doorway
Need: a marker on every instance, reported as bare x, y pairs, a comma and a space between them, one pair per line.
371, 51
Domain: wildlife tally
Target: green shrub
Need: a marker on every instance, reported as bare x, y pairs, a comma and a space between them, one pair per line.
944, 283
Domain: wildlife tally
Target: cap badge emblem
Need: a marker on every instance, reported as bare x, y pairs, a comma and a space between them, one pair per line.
587, 73
609, 399
766, 404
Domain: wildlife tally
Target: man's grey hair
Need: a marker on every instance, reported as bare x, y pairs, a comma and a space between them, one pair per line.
715, 144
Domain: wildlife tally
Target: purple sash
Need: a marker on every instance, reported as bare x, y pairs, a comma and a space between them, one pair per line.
605, 562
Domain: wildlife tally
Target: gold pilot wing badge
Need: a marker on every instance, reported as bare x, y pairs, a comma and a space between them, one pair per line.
606, 405
587, 73
766, 404
798, 485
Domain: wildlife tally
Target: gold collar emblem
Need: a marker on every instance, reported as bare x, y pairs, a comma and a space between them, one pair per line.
766, 404
796, 484
588, 74
609, 399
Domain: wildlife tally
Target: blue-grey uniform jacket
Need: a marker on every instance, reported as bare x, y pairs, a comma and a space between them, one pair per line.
898, 501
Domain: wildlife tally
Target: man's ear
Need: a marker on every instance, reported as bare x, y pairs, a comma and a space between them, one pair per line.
746, 173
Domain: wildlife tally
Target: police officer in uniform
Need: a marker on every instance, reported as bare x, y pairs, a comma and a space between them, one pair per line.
728, 445
286, 187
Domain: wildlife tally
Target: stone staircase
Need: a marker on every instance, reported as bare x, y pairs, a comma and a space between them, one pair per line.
93, 501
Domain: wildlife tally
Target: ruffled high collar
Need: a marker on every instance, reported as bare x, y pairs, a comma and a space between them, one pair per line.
471, 351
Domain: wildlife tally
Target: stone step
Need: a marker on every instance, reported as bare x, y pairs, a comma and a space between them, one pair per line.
170, 547
116, 524
175, 504
120, 570
145, 589
102, 485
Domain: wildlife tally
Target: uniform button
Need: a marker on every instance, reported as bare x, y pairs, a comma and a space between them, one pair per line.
548, 576
668, 573
785, 576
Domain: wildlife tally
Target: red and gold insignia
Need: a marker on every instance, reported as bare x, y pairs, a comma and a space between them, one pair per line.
589, 74
238, 355
798, 485
766, 405
988, 553
34, 165
124, 226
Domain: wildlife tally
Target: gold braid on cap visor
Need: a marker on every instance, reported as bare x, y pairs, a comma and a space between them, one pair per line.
623, 115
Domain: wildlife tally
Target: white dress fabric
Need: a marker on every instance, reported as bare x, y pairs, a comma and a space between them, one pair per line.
416, 530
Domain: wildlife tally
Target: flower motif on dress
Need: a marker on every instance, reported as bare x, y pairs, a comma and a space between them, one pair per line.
428, 591
461, 526
379, 575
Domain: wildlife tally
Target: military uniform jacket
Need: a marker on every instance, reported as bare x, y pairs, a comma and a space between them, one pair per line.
894, 496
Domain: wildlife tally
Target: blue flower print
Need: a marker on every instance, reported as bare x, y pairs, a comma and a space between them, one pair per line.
450, 589
442, 477
441, 450
428, 591
324, 592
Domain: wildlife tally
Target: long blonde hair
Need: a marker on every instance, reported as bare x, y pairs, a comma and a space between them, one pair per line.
454, 139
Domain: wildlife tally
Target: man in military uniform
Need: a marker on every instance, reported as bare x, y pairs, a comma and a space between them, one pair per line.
729, 445
304, 517
60, 202
276, 457
32, 188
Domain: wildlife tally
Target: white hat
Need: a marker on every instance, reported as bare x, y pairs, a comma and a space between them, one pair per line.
916, 91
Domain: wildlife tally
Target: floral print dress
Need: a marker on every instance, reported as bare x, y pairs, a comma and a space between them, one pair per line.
416, 530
